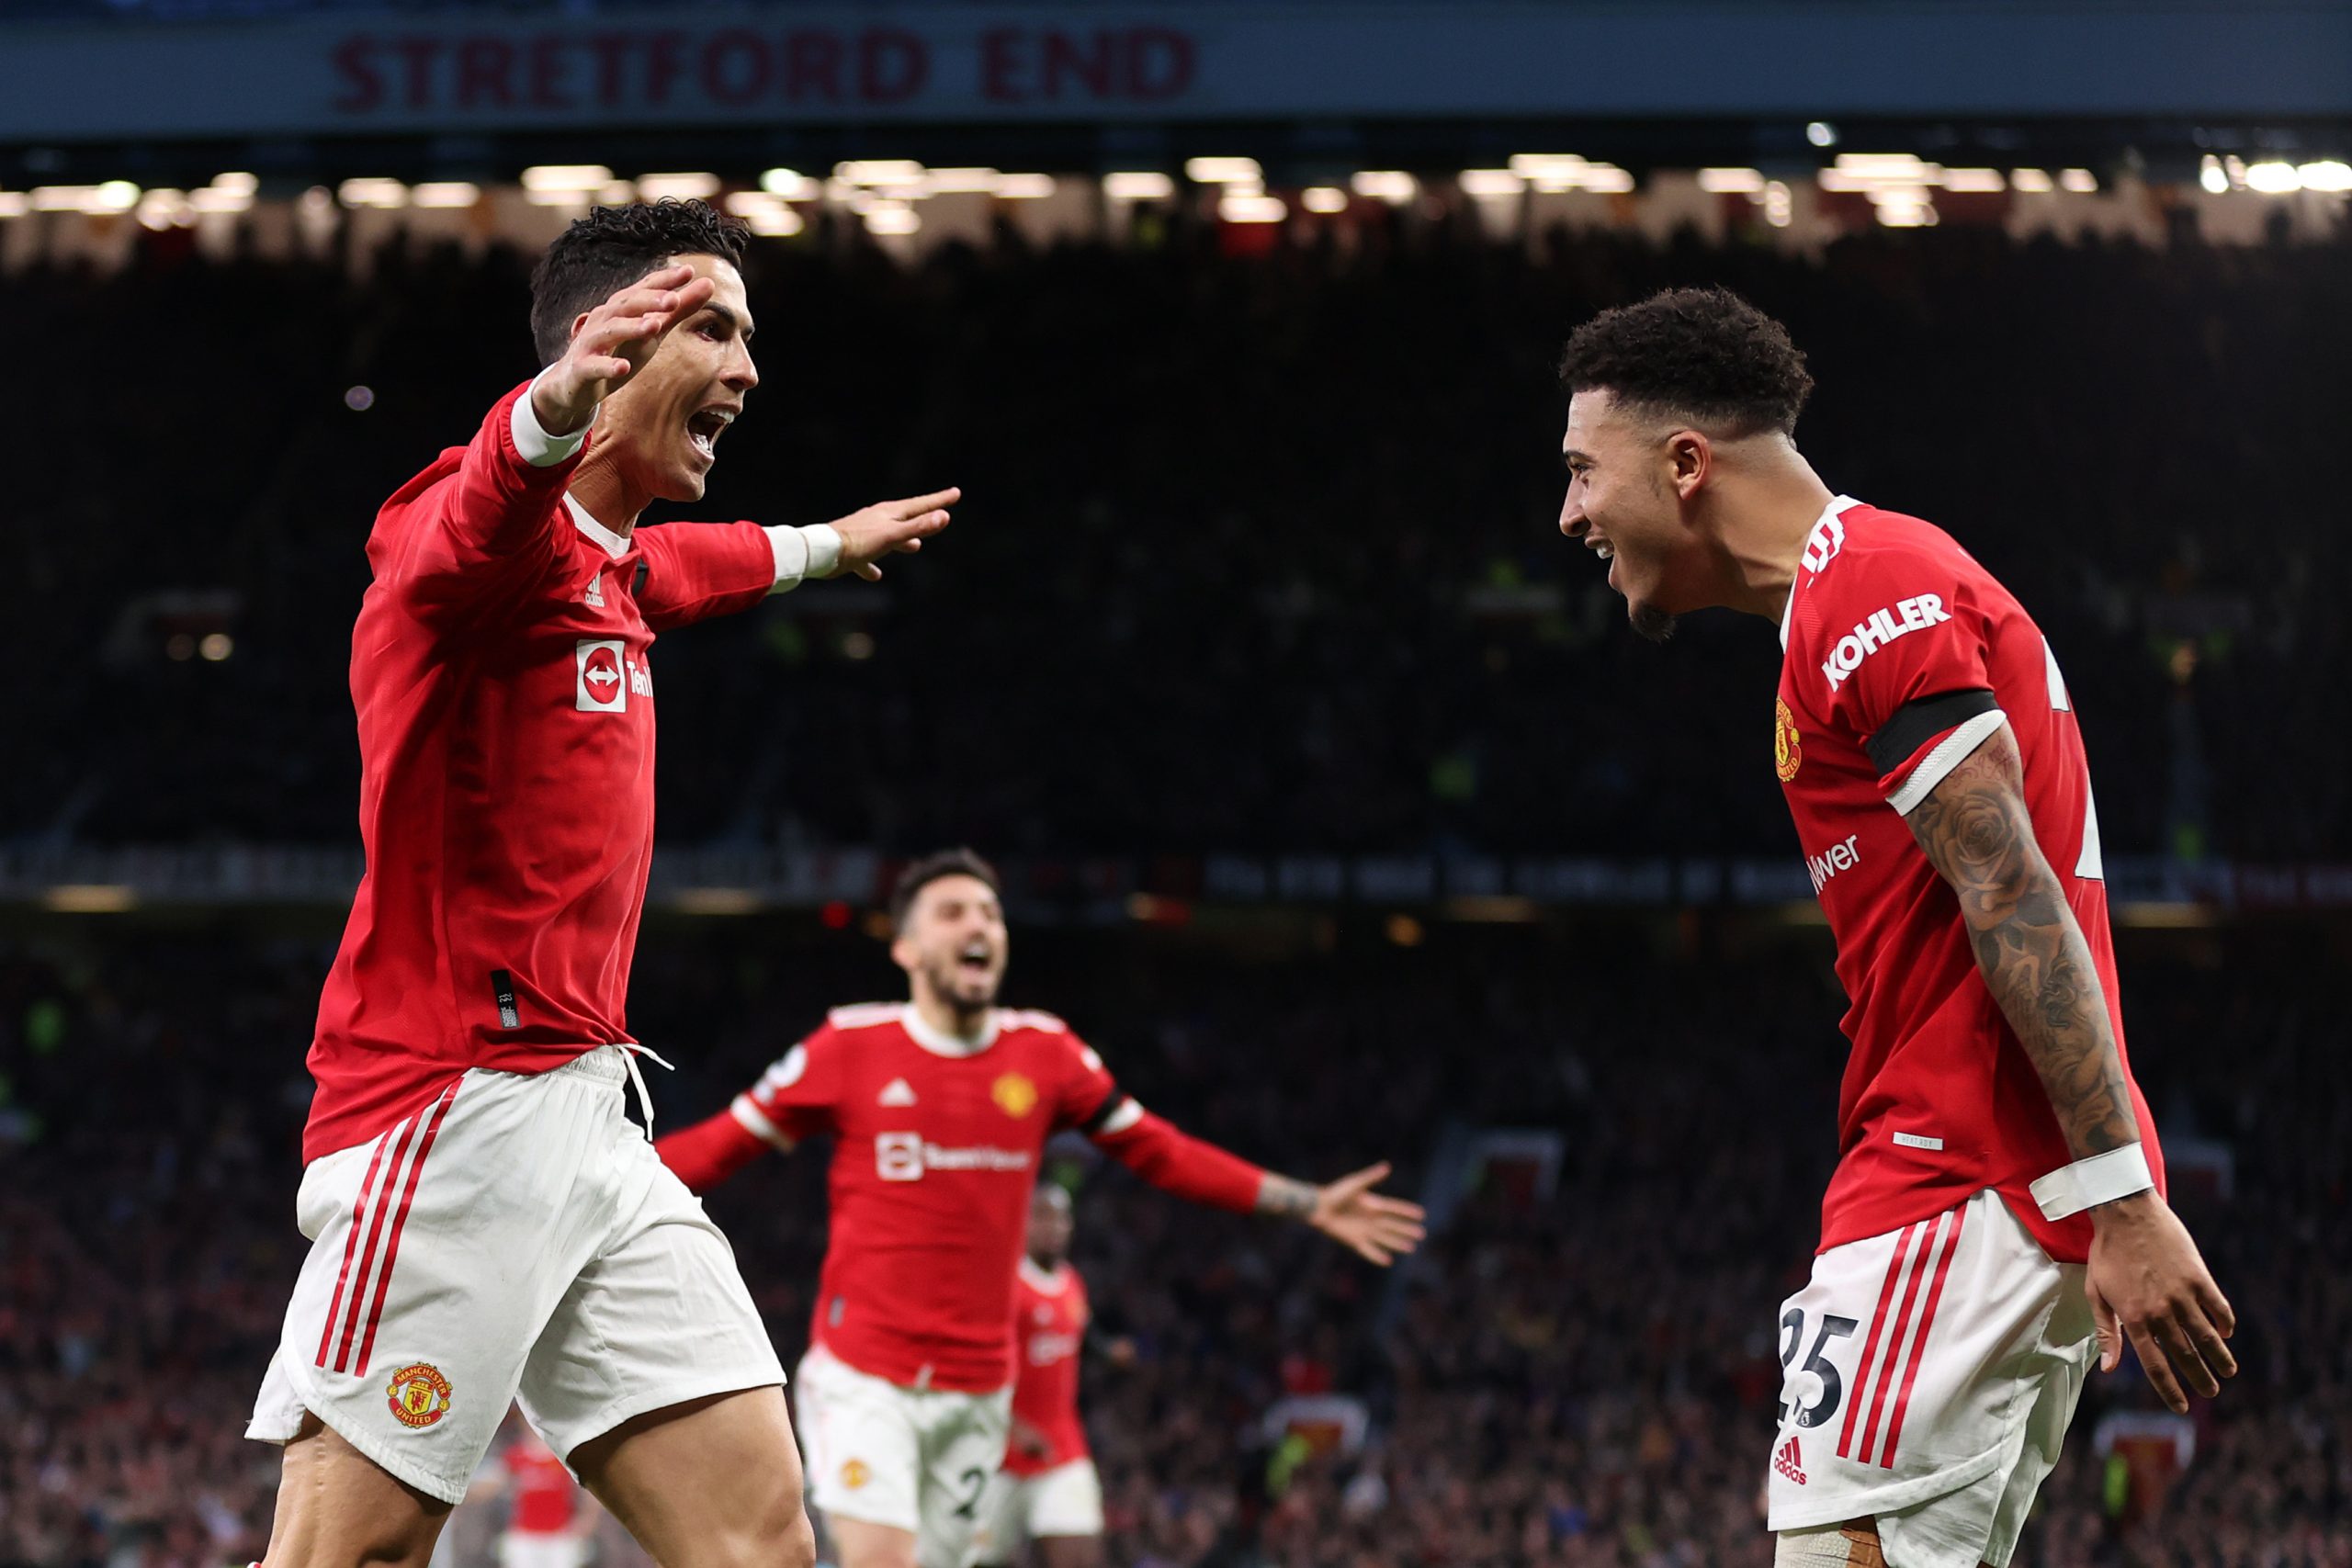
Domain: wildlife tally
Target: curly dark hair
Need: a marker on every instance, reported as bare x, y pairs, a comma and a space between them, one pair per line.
613, 247
920, 875
1703, 355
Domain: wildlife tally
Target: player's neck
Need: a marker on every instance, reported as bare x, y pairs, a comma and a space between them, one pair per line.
945, 1017
1764, 532
600, 488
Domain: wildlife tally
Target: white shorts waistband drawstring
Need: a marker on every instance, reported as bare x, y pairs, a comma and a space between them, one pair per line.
630, 1054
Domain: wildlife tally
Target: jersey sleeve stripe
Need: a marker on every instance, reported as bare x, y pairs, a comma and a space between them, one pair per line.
1938, 764
1119, 1113
755, 1121
1920, 721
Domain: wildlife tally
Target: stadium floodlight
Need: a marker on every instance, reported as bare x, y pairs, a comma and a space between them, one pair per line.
1779, 207
964, 182
774, 222
1394, 187
879, 172
893, 218
2034, 181
1821, 133
1731, 182
1138, 185
76, 198
15, 204
379, 193
2212, 177
1223, 171
2081, 180
2273, 178
1898, 208
237, 183
575, 179
1489, 184
789, 184
1974, 182
212, 198
1237, 206
160, 210
680, 187
2331, 175
89, 898
1323, 198
1024, 187
446, 193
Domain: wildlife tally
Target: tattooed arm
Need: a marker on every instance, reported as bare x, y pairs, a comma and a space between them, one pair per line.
2145, 1275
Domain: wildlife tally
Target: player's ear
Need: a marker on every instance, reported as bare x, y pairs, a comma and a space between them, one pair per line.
1690, 457
902, 953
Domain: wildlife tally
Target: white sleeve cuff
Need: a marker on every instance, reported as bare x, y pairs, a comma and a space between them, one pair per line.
2102, 1178
749, 1117
803, 553
531, 438
1950, 753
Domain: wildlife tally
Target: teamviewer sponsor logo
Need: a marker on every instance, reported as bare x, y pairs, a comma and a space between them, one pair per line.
602, 685
904, 1156
1904, 617
1837, 858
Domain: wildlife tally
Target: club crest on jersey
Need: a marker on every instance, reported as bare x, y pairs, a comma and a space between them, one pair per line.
1787, 755
420, 1394
855, 1473
1014, 1094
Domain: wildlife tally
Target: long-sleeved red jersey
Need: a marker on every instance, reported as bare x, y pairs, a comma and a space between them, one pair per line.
500, 672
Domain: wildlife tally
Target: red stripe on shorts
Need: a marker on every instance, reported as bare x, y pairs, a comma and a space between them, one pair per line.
374, 1234
350, 1245
432, 1121
1870, 1345
1926, 1322
1930, 1230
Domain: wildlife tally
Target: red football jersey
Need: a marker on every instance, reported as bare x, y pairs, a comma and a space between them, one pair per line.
505, 693
1940, 1101
936, 1150
1049, 1316
545, 1498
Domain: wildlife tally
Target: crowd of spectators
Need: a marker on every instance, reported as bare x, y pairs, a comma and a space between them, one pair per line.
1582, 1379
1257, 554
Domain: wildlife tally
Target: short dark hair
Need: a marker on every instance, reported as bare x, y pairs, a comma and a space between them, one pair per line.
613, 247
1703, 355
920, 875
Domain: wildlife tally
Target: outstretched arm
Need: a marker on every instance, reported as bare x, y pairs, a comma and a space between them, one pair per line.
2145, 1274
1375, 1226
716, 1147
694, 570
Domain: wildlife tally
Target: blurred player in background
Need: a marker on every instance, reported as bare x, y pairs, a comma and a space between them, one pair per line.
1999, 1200
939, 1109
486, 1221
1047, 1492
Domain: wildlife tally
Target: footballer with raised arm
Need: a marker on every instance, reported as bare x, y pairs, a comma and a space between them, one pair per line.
486, 1224
939, 1109
1998, 1208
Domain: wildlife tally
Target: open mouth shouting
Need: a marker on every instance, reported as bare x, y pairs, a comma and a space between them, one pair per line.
704, 427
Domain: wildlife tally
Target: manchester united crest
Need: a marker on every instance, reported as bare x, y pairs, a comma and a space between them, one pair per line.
1786, 754
856, 1474
1014, 1094
420, 1394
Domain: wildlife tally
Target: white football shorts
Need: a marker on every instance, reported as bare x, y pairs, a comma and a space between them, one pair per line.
1928, 1377
914, 1458
515, 1238
1063, 1501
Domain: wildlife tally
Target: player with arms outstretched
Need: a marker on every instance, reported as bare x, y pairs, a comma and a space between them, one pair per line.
1997, 1207
1047, 1493
940, 1108
485, 1222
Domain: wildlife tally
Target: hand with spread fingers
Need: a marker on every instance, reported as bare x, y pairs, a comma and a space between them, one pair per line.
1373, 1224
613, 341
889, 527
2148, 1284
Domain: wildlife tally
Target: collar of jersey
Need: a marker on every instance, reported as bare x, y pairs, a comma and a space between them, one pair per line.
939, 1043
614, 545
1836, 505
1045, 1283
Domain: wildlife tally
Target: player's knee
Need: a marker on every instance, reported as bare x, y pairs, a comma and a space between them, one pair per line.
1852, 1545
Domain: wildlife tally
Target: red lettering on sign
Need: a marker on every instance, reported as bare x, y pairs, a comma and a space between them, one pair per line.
892, 65
365, 88
661, 66
812, 66
544, 89
1001, 65
418, 53
735, 66
1090, 62
608, 48
485, 73
1159, 63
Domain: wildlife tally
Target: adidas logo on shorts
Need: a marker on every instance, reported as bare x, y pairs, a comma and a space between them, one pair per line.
1790, 1461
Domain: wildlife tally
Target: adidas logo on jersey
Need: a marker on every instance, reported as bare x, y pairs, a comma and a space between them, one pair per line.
1790, 1461
896, 1092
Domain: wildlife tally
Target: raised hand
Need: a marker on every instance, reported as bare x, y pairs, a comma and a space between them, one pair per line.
1375, 1226
614, 340
889, 527
2147, 1283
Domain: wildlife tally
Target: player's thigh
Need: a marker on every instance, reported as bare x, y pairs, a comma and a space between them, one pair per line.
1070, 1552
337, 1506
963, 1447
712, 1483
